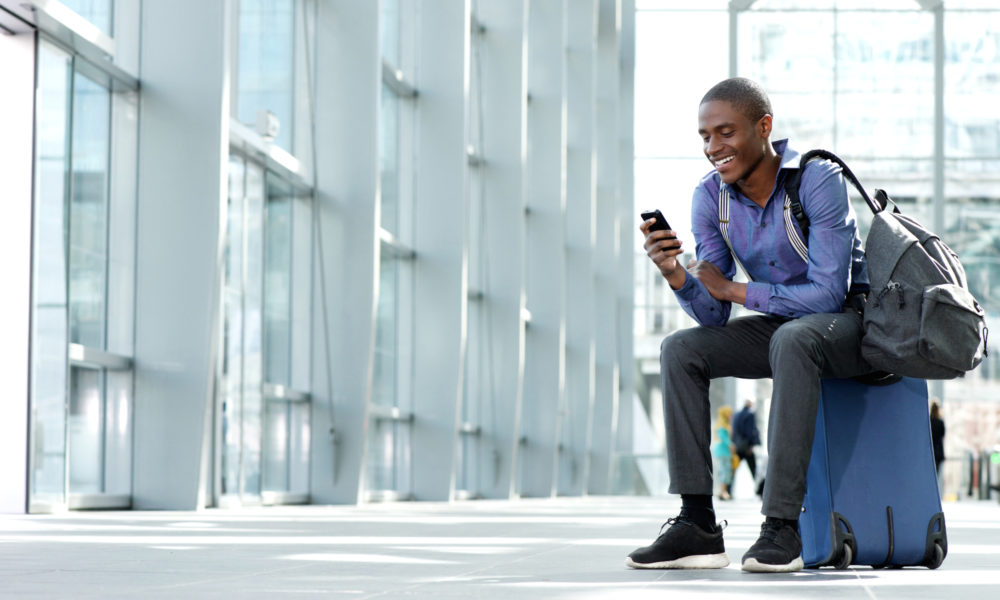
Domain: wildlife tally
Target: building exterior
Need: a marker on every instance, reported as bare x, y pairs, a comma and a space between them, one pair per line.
327, 251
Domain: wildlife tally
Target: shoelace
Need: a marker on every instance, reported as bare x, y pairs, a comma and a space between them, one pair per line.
681, 518
769, 531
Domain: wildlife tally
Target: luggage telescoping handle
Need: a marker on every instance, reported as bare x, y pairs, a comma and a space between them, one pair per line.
876, 206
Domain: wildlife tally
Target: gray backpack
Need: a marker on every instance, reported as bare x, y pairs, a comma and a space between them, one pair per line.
920, 319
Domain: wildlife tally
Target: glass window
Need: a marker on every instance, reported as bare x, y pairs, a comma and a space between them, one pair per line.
277, 283
81, 411
389, 25
49, 376
266, 57
666, 113
88, 237
86, 430
389, 160
98, 12
384, 390
266, 299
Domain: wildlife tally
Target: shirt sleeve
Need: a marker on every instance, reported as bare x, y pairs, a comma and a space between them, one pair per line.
693, 296
832, 227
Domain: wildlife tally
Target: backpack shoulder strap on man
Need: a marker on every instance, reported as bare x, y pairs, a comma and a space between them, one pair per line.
794, 180
799, 244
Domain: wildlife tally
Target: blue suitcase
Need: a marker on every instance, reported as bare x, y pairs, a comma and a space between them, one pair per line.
871, 489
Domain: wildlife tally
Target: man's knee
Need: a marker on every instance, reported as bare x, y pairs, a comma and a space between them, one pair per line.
796, 338
677, 346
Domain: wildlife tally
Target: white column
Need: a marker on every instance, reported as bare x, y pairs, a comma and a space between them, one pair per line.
627, 223
17, 72
183, 152
606, 251
580, 242
502, 48
545, 248
440, 267
346, 263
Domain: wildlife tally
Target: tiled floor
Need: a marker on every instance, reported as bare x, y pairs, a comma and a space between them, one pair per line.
561, 548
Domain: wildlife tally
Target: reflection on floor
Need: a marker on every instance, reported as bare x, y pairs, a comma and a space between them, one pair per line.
557, 548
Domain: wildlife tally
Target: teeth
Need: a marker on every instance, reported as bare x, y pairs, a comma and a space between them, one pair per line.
719, 163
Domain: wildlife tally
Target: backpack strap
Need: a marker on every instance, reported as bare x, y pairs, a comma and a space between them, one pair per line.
795, 178
799, 244
724, 226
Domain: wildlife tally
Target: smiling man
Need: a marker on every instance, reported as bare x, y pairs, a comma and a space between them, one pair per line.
809, 294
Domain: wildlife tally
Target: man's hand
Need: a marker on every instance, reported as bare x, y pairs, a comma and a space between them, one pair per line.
716, 283
663, 247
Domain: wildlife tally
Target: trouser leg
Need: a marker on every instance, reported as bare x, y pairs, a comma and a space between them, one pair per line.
689, 360
751, 461
801, 352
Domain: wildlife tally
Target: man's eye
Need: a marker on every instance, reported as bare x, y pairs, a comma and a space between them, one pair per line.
728, 133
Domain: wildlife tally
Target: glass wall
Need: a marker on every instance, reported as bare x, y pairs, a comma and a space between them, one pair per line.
82, 336
265, 76
860, 80
98, 12
388, 456
262, 404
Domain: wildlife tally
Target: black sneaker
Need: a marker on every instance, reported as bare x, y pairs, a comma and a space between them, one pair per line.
777, 550
683, 546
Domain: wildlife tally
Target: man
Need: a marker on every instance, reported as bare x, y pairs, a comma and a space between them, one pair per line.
745, 437
808, 327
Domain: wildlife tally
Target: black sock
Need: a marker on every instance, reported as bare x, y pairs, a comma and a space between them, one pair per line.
793, 523
698, 509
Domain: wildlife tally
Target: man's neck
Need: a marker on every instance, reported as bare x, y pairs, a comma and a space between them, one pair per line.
759, 184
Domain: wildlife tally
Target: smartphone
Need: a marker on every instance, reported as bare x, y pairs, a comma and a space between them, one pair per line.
661, 222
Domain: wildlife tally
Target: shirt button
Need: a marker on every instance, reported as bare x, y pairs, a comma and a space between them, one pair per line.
763, 224
756, 305
771, 263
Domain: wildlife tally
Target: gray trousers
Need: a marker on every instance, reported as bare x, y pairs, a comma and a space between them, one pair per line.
795, 353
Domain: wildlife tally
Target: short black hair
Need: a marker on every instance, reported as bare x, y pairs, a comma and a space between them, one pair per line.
746, 96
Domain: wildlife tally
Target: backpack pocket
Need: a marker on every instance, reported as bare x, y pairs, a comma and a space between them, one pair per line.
952, 327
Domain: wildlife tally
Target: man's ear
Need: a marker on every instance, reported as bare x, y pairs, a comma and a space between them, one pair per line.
764, 126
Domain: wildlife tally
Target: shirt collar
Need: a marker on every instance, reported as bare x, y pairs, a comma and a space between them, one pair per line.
789, 157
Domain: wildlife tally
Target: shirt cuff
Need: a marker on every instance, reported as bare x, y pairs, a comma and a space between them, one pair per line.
688, 291
758, 296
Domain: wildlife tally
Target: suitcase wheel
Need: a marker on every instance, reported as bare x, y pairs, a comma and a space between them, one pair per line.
847, 556
938, 557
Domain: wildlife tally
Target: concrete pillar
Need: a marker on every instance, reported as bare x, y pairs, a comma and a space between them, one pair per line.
183, 152
439, 239
17, 72
346, 260
545, 248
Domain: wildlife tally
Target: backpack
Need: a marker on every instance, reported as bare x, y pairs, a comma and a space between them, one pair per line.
920, 319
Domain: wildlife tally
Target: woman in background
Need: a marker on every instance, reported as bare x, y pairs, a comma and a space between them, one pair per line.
722, 451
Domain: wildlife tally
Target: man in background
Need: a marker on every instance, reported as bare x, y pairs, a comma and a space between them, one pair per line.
745, 437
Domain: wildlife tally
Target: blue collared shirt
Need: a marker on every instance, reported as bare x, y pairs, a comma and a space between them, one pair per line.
783, 284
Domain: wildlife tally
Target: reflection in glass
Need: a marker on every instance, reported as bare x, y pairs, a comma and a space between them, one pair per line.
972, 87
49, 294
389, 160
277, 283
230, 382
276, 442
384, 384
389, 24
253, 329
265, 77
86, 431
88, 212
98, 12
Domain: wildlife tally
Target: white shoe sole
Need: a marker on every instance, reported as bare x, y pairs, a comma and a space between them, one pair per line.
697, 561
752, 566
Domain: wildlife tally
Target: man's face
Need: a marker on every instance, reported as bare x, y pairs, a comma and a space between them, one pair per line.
733, 144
